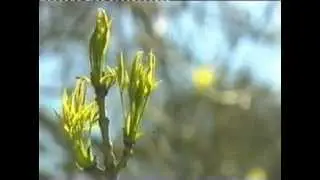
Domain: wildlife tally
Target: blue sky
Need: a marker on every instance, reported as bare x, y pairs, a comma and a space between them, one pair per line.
207, 41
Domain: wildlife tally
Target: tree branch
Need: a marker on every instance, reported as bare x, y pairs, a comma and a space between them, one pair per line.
109, 157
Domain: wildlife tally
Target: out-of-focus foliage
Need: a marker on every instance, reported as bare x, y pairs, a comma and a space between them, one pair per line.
231, 129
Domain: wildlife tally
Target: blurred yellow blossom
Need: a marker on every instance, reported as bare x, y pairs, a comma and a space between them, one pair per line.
256, 174
203, 77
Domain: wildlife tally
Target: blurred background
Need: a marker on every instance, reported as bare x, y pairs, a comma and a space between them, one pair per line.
217, 111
